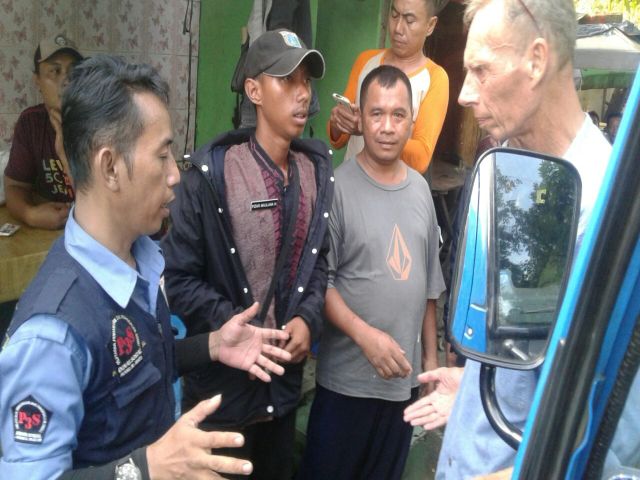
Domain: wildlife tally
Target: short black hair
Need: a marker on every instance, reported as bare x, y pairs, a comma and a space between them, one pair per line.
387, 76
434, 7
98, 109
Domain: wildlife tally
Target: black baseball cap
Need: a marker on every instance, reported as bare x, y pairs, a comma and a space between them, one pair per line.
278, 53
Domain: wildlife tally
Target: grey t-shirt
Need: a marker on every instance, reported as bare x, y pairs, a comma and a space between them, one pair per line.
384, 263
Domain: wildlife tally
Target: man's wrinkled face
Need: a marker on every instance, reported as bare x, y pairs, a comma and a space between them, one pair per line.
386, 122
496, 86
410, 23
52, 77
147, 189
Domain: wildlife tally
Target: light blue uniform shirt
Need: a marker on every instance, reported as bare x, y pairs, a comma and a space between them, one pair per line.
46, 360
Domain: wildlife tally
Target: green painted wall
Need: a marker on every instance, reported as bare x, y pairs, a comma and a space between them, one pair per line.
343, 28
218, 52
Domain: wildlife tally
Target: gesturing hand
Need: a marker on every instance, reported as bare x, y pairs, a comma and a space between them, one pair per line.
433, 410
241, 345
185, 451
384, 353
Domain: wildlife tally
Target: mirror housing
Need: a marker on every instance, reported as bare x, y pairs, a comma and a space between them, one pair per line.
513, 257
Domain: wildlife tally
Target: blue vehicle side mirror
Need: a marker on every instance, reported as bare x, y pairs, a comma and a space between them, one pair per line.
513, 257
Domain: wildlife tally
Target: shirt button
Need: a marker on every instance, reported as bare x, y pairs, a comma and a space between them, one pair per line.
330, 152
270, 409
301, 289
314, 250
332, 179
220, 210
326, 214
233, 250
205, 168
245, 290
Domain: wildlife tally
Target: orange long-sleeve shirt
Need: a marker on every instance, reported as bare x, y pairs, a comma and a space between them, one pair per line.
430, 91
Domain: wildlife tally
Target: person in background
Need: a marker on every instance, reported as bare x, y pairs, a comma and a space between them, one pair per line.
613, 123
87, 367
519, 83
249, 223
410, 22
384, 279
37, 180
595, 118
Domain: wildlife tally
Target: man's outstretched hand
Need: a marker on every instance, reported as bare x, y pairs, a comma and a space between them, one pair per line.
246, 347
433, 410
185, 451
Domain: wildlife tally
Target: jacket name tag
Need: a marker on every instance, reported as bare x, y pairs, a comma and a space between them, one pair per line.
262, 204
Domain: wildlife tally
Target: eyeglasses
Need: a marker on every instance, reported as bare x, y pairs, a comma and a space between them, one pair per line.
533, 19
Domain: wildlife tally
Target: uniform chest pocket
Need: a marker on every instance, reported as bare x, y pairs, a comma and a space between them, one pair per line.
134, 402
142, 377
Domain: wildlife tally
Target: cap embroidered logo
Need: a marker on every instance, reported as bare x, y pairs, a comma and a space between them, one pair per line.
60, 41
291, 39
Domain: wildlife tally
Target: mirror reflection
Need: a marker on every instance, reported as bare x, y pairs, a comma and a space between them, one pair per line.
534, 204
514, 252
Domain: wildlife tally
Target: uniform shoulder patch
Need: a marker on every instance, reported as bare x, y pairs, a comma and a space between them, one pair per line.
30, 421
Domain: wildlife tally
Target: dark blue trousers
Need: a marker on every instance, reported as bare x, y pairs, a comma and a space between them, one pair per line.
351, 438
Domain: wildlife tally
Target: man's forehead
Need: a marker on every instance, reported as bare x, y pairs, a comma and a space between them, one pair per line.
488, 37
405, 7
398, 93
488, 20
153, 111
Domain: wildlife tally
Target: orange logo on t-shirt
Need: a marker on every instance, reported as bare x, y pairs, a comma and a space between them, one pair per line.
398, 256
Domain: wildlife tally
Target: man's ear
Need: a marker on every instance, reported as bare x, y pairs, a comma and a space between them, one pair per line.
106, 169
253, 90
431, 25
538, 62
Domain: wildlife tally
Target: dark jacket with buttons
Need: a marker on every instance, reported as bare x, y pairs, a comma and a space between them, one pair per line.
206, 283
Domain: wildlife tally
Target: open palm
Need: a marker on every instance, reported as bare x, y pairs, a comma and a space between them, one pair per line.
246, 347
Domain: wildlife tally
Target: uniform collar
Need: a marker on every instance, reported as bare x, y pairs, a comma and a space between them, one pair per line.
115, 277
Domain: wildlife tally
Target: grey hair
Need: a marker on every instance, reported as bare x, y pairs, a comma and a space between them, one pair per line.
554, 20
